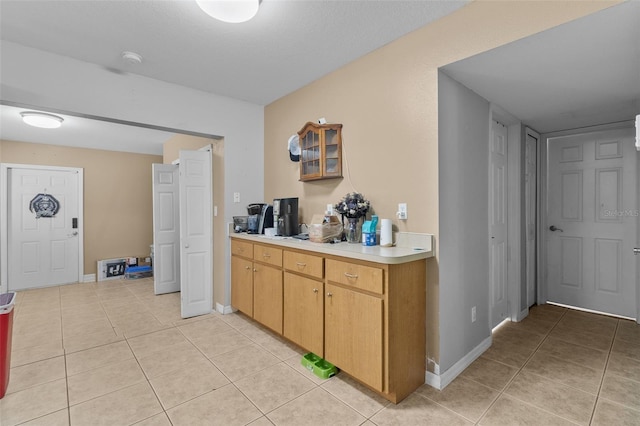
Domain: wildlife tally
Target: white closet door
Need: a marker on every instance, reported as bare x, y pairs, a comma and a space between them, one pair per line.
196, 281
166, 229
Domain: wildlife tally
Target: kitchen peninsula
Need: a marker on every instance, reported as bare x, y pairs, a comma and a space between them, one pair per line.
361, 308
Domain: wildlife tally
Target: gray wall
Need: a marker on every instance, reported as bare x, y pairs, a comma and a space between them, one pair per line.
463, 153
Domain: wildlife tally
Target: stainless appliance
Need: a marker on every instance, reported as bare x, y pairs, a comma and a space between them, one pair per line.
260, 217
285, 216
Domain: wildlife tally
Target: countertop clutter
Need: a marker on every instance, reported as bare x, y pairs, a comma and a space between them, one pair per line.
409, 247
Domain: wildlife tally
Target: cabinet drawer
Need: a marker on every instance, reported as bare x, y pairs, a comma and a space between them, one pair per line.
242, 248
267, 254
359, 276
307, 264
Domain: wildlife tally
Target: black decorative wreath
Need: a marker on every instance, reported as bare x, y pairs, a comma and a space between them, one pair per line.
44, 205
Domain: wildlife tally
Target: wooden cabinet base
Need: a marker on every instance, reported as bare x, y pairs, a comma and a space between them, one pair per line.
366, 318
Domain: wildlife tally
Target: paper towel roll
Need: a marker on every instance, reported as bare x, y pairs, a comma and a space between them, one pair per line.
386, 233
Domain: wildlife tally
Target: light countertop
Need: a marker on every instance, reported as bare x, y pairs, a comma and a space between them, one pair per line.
409, 247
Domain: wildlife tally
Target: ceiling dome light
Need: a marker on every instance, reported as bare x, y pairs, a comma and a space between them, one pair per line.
233, 11
132, 58
41, 119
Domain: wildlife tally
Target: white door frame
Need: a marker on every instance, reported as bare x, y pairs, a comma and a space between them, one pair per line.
530, 132
543, 208
4, 213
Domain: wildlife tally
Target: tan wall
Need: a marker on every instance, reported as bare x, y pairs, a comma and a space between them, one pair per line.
171, 152
117, 195
388, 104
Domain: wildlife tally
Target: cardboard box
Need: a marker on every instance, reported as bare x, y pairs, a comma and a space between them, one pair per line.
324, 228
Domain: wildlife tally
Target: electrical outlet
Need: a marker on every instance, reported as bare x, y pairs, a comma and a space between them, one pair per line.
473, 314
402, 211
236, 197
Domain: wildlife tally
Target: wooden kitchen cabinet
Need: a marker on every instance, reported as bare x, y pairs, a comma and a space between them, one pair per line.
321, 151
267, 296
242, 285
303, 312
304, 300
354, 334
256, 282
365, 317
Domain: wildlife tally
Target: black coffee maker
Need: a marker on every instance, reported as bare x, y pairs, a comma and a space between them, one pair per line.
285, 216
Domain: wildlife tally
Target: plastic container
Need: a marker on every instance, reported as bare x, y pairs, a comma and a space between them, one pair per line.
7, 301
318, 366
135, 272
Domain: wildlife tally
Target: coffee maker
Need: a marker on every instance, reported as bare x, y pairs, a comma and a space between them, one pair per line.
260, 217
285, 216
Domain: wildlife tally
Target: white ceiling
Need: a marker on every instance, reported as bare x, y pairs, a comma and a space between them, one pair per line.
288, 44
583, 73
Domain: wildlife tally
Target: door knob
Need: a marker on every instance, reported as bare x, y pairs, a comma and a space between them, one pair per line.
636, 251
553, 228
186, 246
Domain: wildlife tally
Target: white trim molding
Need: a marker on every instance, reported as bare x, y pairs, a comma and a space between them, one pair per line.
224, 310
441, 381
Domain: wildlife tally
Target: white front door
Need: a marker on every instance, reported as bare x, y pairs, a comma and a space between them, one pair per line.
196, 283
531, 206
166, 229
43, 247
592, 214
498, 223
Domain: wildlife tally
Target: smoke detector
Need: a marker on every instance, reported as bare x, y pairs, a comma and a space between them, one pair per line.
131, 58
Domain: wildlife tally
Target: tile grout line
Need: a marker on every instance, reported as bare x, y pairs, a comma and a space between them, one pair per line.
604, 372
506, 386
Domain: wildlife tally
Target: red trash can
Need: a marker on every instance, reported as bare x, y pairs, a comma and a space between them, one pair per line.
6, 325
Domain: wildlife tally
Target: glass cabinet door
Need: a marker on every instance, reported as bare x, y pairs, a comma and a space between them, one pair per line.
332, 153
311, 154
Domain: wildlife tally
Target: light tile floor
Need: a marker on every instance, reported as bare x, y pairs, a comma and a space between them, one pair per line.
112, 353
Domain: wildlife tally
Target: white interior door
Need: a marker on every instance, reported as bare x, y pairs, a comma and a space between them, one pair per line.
45, 250
196, 283
166, 229
531, 206
592, 214
498, 223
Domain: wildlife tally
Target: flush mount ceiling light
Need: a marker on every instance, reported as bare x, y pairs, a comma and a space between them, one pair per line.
41, 119
132, 58
233, 11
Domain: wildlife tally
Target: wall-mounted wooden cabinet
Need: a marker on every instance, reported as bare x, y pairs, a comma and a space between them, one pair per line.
321, 151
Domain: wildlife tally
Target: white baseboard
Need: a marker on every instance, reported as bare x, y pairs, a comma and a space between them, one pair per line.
442, 380
224, 310
523, 314
89, 278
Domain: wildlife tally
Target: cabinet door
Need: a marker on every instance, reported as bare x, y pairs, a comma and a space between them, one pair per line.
303, 307
267, 296
242, 285
353, 333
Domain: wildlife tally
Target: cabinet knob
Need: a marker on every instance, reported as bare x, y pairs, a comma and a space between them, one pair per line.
315, 290
255, 270
247, 267
329, 294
